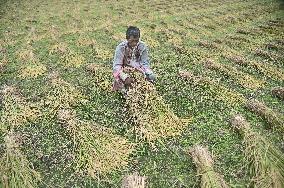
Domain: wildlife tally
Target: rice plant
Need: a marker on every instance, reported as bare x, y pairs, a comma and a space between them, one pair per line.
16, 171
273, 118
134, 181
152, 117
204, 163
99, 150
265, 161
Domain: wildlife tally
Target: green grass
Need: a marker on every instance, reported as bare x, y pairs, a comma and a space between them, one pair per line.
64, 36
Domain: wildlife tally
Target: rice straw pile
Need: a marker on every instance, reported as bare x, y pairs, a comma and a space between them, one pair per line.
274, 119
102, 76
153, 119
61, 94
16, 111
266, 162
278, 92
16, 171
99, 150
134, 181
204, 163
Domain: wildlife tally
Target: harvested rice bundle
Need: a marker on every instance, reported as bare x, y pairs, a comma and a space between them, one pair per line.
245, 80
152, 117
3, 63
134, 181
278, 92
222, 93
15, 109
62, 94
16, 171
274, 119
100, 151
71, 59
266, 162
32, 70
102, 76
204, 163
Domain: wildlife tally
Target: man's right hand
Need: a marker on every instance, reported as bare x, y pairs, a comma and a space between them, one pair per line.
128, 82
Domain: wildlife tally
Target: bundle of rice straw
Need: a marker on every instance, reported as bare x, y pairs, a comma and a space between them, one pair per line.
134, 181
204, 163
16, 171
100, 151
16, 110
152, 117
61, 94
102, 76
274, 119
266, 162
278, 92
222, 93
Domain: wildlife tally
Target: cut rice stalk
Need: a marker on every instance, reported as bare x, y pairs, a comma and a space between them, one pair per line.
278, 92
153, 119
100, 151
102, 76
16, 171
16, 110
204, 163
274, 119
266, 162
134, 181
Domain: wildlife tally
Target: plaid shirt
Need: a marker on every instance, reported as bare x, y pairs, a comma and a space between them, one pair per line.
136, 58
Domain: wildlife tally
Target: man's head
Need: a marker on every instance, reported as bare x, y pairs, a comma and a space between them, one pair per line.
132, 35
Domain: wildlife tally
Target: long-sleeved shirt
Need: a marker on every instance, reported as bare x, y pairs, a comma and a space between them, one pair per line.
136, 57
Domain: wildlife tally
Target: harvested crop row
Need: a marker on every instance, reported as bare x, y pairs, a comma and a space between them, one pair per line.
274, 119
102, 76
222, 93
134, 181
245, 80
204, 163
16, 110
98, 150
266, 162
278, 92
267, 70
16, 171
153, 119
61, 94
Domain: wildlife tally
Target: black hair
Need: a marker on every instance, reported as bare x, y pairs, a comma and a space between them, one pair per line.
132, 31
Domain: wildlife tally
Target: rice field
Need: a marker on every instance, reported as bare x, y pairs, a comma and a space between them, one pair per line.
214, 118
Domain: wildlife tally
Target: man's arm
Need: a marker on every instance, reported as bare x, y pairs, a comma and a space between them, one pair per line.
145, 61
117, 64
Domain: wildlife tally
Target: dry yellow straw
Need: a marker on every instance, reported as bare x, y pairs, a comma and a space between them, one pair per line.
16, 110
134, 181
266, 162
153, 119
16, 171
100, 151
278, 92
274, 119
204, 163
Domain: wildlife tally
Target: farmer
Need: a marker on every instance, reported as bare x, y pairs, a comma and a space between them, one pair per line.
133, 53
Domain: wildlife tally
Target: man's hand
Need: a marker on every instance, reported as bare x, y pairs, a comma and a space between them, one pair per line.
128, 82
151, 77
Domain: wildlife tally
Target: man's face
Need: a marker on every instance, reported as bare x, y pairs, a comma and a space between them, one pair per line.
132, 42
